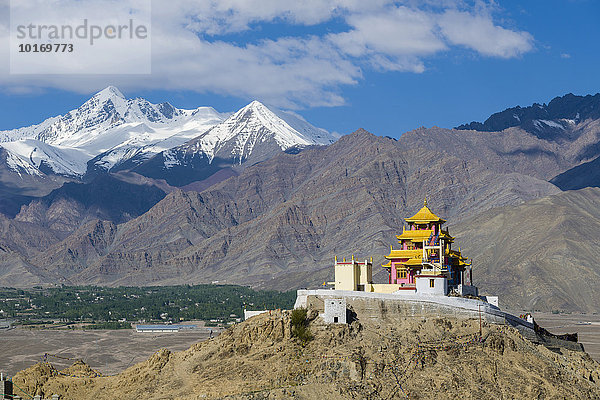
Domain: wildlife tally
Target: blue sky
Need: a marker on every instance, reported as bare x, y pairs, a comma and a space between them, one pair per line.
388, 67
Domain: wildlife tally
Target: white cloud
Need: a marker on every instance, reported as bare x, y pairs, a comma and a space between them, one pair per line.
216, 17
479, 33
391, 40
193, 49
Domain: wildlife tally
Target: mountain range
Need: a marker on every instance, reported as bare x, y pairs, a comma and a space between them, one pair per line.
263, 198
109, 133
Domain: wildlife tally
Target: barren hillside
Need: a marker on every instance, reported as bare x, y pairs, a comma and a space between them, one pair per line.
540, 255
383, 359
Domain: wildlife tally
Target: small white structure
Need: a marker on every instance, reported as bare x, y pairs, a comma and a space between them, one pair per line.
335, 311
433, 285
250, 314
530, 318
493, 300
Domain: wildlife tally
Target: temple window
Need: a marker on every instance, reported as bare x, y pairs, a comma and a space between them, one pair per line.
432, 283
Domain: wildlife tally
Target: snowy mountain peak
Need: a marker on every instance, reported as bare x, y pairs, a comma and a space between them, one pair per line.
255, 105
204, 112
109, 92
255, 108
257, 125
283, 123
108, 100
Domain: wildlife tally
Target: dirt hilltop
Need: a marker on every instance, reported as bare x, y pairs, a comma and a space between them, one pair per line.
405, 358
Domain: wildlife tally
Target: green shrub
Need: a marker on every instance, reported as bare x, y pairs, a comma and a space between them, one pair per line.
300, 326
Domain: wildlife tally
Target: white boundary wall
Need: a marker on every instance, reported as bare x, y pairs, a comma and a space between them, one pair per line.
250, 314
420, 305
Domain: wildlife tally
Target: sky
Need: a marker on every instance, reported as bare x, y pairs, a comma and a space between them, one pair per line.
385, 66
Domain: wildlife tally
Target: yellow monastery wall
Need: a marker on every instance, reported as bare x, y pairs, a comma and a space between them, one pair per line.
346, 276
383, 288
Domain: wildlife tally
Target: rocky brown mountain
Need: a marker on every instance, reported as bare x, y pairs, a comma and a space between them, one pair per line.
280, 222
105, 197
584, 175
466, 172
541, 255
277, 217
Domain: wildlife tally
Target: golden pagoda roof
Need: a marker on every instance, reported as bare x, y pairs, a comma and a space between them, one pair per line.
420, 235
424, 215
413, 261
404, 253
457, 254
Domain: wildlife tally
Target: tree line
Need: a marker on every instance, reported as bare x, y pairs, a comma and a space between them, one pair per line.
161, 303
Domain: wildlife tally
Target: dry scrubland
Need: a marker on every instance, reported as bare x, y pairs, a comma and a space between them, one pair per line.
424, 359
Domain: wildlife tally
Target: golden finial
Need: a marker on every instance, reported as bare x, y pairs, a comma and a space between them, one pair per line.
371, 260
352, 257
344, 259
425, 202
335, 258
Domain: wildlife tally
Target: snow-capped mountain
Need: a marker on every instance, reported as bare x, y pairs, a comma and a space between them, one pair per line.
110, 132
252, 134
253, 125
109, 129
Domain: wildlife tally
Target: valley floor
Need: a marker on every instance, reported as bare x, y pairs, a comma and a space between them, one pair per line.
106, 351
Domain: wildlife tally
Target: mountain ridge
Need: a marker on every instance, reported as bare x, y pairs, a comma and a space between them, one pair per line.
546, 121
283, 219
